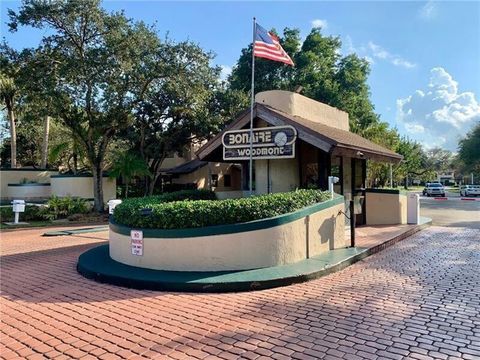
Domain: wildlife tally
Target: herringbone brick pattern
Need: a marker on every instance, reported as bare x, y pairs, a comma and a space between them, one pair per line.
419, 299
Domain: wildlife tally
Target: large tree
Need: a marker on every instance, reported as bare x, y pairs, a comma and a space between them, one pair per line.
180, 110
10, 94
469, 151
103, 63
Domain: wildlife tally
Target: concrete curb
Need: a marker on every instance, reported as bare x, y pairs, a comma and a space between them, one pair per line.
96, 264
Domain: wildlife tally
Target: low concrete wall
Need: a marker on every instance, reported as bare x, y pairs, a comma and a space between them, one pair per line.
385, 207
29, 191
15, 176
282, 240
82, 186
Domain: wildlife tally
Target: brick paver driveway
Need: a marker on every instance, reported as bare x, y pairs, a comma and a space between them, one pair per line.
417, 299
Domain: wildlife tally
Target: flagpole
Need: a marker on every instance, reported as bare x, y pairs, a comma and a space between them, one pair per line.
252, 101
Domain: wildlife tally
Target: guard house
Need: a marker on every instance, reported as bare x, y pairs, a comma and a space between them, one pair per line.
298, 143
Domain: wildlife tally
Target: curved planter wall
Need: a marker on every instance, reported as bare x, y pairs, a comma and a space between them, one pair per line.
81, 186
29, 191
276, 241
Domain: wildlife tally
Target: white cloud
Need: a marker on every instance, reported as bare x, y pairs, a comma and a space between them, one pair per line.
349, 48
373, 51
428, 11
380, 53
414, 128
440, 114
319, 23
226, 71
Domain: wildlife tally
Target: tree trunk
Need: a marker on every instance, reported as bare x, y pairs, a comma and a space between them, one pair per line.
98, 187
151, 185
46, 130
13, 139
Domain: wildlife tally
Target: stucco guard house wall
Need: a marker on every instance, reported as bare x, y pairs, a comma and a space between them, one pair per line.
324, 146
14, 177
385, 207
81, 186
281, 240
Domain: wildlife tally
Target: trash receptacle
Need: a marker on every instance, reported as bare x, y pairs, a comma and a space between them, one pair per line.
413, 209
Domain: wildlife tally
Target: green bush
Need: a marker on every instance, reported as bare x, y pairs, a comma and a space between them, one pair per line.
55, 208
32, 213
62, 207
200, 213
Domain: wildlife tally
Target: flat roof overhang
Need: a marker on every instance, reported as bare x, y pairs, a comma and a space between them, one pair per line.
334, 141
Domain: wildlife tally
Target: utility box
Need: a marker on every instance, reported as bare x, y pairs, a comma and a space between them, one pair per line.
413, 209
18, 206
112, 204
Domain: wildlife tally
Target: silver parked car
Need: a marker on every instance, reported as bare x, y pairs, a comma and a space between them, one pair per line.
469, 190
434, 189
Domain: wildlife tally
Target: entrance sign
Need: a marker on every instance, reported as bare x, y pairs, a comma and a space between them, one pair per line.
276, 142
136, 237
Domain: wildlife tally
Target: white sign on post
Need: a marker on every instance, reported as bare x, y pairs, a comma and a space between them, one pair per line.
136, 237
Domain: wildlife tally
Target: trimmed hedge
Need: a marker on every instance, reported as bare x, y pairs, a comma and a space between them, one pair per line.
201, 213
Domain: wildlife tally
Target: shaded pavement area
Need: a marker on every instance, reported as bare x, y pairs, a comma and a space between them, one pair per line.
417, 299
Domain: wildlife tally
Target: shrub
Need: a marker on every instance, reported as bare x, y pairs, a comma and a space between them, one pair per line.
62, 207
200, 213
55, 208
132, 207
32, 213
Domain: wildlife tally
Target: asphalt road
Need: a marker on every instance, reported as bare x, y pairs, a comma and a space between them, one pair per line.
452, 212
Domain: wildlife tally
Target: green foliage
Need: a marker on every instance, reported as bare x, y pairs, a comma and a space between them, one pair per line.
469, 150
93, 67
55, 208
62, 207
324, 75
181, 108
200, 213
128, 165
32, 213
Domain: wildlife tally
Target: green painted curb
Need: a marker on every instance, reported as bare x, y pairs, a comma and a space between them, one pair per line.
230, 228
76, 231
387, 191
31, 184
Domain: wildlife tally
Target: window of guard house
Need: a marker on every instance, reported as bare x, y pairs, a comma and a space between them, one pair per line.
311, 175
335, 171
227, 180
214, 180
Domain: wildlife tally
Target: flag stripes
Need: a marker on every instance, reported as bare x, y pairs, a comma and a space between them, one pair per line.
267, 46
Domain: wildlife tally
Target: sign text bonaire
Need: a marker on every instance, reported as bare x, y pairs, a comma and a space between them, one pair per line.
276, 142
136, 237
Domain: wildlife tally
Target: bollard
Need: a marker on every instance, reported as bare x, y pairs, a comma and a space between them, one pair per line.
352, 224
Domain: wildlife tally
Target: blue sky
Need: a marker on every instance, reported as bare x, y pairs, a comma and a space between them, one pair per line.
425, 56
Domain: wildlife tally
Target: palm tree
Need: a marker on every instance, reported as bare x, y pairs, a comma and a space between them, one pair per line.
7, 94
128, 165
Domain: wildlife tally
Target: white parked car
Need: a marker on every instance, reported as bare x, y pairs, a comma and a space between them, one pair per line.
467, 190
434, 189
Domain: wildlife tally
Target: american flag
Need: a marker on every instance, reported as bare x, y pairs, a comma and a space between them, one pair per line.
268, 46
